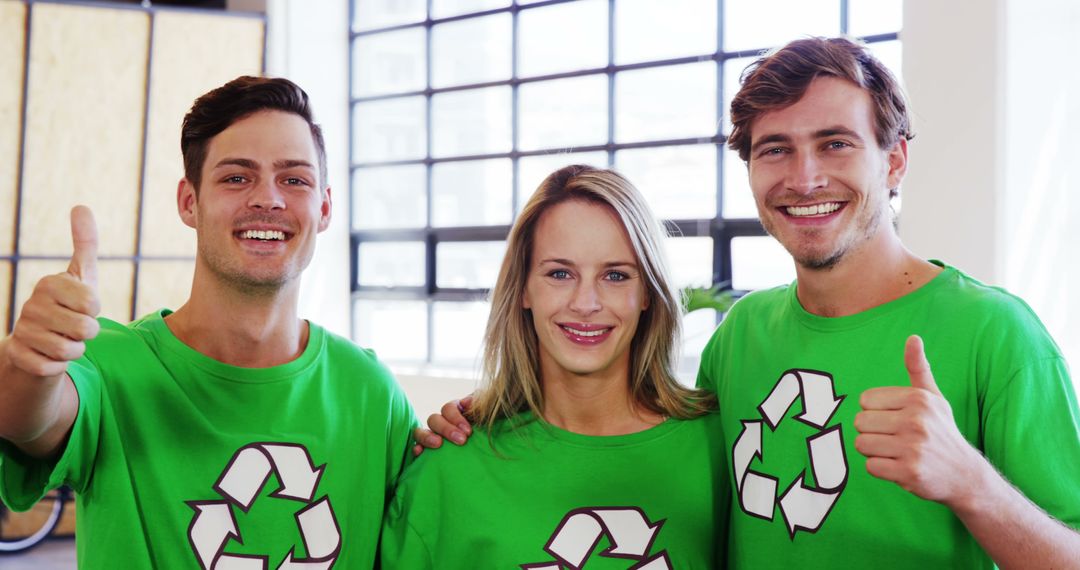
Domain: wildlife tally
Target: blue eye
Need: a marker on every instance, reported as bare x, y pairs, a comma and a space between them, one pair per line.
837, 145
559, 274
617, 276
235, 180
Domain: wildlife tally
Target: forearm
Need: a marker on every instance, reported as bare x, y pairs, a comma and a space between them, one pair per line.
1014, 531
32, 408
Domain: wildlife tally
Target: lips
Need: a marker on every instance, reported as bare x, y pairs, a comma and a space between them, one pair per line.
586, 333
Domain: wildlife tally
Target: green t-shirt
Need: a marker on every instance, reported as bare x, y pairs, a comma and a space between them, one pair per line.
789, 384
181, 461
545, 495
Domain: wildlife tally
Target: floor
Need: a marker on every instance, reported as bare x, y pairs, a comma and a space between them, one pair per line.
53, 554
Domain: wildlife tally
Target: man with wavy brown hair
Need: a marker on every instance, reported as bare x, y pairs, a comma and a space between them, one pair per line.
946, 460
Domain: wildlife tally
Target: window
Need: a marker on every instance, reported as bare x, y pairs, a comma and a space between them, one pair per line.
459, 113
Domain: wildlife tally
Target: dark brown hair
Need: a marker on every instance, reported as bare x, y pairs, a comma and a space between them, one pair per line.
780, 78
215, 111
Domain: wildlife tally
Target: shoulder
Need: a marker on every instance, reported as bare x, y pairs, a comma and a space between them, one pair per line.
992, 310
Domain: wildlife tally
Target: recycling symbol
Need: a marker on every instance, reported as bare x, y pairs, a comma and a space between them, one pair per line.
629, 531
214, 523
802, 506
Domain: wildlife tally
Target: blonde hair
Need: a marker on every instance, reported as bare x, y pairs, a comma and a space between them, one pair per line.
511, 361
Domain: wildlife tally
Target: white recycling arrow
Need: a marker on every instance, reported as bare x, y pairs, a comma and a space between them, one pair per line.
575, 538
319, 529
628, 529
747, 446
776, 405
819, 400
631, 535
827, 459
245, 476
805, 508
299, 477
236, 562
758, 495
658, 562
211, 528
291, 563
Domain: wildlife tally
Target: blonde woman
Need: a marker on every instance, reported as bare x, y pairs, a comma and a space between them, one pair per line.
587, 448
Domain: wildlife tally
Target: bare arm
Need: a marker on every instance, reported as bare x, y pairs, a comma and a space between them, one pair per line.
909, 437
38, 401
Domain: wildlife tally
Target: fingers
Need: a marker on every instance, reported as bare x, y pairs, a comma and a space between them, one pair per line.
84, 238
918, 367
439, 424
425, 439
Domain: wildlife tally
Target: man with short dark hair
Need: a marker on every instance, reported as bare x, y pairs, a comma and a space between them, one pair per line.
823, 127
229, 433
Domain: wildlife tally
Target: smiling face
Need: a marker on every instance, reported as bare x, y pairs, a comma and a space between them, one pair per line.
820, 180
585, 291
259, 205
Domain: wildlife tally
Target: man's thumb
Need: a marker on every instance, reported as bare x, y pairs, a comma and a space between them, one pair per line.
84, 238
918, 367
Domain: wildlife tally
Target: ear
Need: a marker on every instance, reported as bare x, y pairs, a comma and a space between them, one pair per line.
897, 158
325, 210
186, 202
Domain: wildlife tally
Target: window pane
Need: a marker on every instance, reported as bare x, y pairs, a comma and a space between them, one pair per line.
733, 69
468, 264
697, 328
540, 53
390, 263
738, 199
532, 170
471, 193
750, 24
647, 30
392, 129
476, 121
396, 330
678, 181
867, 17
392, 62
563, 113
471, 51
5, 291
390, 197
666, 102
690, 260
890, 54
371, 14
447, 8
759, 262
459, 333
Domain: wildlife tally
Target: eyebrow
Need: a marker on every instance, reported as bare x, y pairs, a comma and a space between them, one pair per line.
819, 134
562, 261
252, 165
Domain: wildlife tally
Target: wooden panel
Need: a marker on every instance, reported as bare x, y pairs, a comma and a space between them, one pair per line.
84, 126
163, 284
5, 293
12, 40
114, 284
193, 53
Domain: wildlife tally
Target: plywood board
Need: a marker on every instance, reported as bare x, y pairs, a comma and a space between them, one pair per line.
114, 284
5, 294
163, 285
12, 64
192, 54
84, 125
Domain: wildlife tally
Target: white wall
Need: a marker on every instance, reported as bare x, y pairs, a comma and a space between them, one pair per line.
996, 94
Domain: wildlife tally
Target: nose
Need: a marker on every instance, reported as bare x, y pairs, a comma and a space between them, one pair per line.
586, 298
265, 195
806, 173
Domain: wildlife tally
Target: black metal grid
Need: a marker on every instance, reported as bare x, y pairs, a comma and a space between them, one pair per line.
137, 258
722, 230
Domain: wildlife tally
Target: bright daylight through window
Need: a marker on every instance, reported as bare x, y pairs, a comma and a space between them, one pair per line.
461, 107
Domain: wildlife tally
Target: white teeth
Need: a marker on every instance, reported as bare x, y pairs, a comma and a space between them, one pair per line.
597, 332
265, 235
813, 210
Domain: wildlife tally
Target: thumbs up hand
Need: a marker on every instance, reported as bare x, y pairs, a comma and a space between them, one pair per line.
60, 314
908, 435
